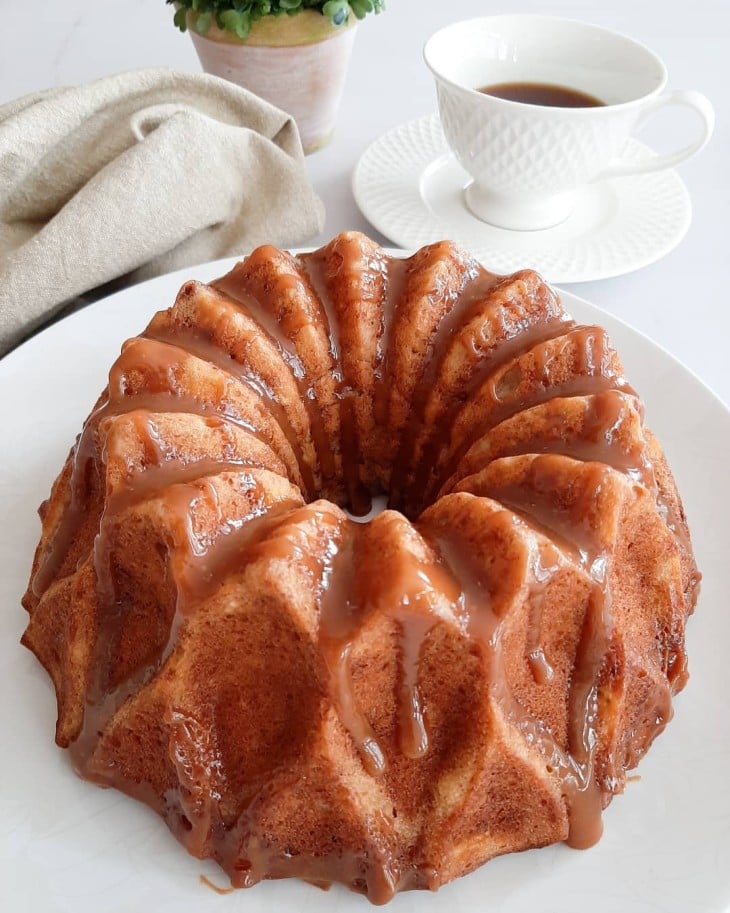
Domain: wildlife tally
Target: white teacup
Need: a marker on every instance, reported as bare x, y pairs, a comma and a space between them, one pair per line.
527, 160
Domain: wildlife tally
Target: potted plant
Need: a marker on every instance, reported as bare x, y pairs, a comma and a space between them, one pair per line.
293, 53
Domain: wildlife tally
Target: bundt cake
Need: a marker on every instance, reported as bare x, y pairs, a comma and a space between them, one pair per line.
385, 701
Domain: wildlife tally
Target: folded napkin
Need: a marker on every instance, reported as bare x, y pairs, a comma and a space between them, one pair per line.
136, 175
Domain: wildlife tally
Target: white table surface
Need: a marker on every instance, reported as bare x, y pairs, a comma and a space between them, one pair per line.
681, 301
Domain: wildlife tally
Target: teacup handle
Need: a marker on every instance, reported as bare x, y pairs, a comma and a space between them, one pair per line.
686, 98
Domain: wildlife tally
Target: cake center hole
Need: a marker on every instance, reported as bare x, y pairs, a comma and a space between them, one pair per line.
379, 504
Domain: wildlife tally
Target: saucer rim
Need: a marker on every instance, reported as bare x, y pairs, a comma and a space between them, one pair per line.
383, 223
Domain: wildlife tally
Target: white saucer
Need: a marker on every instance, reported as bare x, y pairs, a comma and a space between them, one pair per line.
410, 187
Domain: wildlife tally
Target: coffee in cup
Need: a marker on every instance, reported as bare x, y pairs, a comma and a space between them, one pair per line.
528, 157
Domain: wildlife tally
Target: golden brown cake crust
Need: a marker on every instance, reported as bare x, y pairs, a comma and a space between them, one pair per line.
388, 704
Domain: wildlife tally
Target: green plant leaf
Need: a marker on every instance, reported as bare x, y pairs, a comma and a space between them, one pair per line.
202, 23
236, 16
237, 22
362, 7
337, 11
181, 19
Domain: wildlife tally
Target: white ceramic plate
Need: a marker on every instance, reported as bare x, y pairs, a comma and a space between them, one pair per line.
69, 847
410, 187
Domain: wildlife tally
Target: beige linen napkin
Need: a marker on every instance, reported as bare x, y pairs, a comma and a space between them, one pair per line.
139, 173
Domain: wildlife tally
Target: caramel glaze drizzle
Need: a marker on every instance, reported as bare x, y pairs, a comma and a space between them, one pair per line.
477, 285
214, 887
340, 620
314, 268
593, 375
544, 562
197, 566
587, 551
243, 850
199, 342
574, 527
263, 310
410, 601
414, 609
396, 272
249, 857
246, 853
575, 766
517, 339
599, 441
343, 609
161, 361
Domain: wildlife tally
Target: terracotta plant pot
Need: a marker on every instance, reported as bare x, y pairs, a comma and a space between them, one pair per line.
297, 63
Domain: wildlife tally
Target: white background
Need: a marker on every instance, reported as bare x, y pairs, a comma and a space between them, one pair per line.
681, 301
